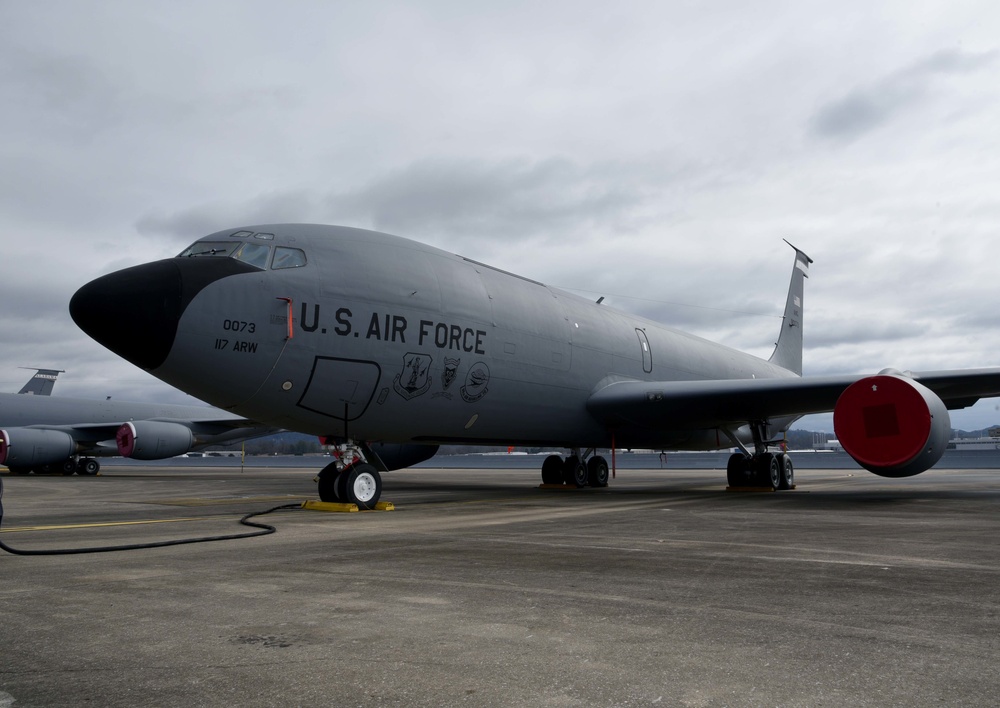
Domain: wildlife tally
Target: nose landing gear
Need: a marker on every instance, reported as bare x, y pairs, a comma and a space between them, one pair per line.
350, 479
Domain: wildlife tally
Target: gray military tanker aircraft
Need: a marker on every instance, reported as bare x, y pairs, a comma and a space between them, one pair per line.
362, 337
45, 433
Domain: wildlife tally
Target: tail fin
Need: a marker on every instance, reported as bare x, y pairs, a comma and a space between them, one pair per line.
41, 383
788, 349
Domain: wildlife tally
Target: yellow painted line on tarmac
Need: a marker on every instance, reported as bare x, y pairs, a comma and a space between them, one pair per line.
208, 501
15, 529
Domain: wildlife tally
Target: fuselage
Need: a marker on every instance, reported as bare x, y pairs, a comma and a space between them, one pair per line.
345, 332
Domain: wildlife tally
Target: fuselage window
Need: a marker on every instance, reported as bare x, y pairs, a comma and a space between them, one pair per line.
285, 257
255, 254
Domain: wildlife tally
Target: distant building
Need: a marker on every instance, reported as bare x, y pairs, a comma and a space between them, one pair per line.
990, 441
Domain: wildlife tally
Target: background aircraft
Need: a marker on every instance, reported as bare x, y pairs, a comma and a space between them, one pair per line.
41, 383
54, 434
361, 336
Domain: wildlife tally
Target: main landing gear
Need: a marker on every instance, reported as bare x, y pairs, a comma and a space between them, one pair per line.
760, 468
350, 479
576, 470
764, 470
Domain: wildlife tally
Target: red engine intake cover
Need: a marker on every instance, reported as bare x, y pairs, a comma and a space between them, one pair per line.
883, 421
125, 439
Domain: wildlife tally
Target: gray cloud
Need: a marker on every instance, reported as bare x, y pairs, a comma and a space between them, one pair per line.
460, 201
873, 104
66, 95
515, 199
854, 331
188, 224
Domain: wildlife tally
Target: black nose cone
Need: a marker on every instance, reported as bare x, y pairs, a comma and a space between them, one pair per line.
133, 312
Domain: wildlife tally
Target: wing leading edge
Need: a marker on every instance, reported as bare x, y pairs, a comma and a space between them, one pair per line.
694, 405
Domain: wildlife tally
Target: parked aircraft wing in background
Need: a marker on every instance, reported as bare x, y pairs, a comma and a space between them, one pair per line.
52, 433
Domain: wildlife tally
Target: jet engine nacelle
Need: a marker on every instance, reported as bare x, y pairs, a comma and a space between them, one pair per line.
153, 439
397, 456
31, 447
892, 425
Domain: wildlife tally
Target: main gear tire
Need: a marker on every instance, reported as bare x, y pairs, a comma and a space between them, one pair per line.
552, 470
597, 471
362, 485
575, 472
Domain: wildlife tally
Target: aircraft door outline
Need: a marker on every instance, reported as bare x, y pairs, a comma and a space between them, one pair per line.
340, 388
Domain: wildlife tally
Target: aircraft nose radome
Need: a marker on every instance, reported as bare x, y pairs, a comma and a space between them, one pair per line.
133, 312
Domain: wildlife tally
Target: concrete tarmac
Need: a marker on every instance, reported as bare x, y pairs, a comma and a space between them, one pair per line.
481, 589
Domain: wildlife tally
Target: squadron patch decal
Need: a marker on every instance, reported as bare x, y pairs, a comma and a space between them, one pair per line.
447, 377
476, 382
415, 378
450, 371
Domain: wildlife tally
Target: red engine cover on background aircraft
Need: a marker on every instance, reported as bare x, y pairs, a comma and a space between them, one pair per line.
153, 439
889, 421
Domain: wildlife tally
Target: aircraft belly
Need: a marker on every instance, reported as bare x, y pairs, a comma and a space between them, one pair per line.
508, 413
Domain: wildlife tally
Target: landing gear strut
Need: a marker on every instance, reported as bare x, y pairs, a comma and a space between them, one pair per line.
577, 470
350, 479
760, 468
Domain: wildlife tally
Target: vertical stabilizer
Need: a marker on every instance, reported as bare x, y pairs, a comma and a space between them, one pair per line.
788, 349
41, 383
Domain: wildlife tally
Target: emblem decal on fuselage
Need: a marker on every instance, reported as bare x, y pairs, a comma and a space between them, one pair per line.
415, 378
476, 382
447, 377
450, 371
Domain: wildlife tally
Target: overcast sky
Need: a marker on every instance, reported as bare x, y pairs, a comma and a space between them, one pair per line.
656, 153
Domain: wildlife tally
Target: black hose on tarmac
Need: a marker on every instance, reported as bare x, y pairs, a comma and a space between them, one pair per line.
265, 529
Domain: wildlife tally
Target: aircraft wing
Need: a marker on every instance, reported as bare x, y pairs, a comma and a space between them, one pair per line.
39, 431
208, 427
689, 405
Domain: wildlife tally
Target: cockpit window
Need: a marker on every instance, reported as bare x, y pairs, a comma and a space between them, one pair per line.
255, 254
285, 257
219, 249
